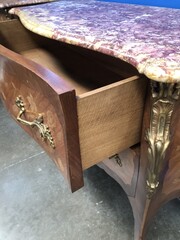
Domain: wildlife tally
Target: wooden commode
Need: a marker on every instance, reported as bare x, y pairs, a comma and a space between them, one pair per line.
88, 90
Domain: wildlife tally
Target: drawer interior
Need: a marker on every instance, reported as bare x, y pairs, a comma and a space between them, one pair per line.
109, 92
83, 69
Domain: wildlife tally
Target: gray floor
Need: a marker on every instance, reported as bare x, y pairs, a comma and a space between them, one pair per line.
36, 204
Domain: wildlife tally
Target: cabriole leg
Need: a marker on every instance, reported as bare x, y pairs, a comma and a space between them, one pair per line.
159, 173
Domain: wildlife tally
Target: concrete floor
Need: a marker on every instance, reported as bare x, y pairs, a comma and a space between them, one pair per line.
36, 204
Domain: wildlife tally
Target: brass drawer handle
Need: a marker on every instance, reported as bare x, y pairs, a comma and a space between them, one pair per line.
44, 131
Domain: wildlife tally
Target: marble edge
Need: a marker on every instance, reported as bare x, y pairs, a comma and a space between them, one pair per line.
151, 68
7, 5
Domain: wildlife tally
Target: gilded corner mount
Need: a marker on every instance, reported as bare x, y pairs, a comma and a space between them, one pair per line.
164, 96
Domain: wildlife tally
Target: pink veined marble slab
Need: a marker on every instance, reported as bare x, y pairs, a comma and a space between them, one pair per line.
12, 3
146, 37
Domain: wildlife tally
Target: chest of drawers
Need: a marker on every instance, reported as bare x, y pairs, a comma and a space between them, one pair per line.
81, 92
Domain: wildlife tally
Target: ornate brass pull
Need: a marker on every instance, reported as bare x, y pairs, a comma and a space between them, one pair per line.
44, 131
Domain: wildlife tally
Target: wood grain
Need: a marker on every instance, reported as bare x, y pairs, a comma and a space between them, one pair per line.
48, 60
145, 209
126, 175
81, 72
86, 69
15, 37
113, 64
44, 92
169, 188
110, 119
102, 116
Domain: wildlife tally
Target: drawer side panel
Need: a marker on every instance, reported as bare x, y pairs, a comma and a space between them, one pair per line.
110, 119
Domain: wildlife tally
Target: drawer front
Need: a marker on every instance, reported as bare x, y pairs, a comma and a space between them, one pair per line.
45, 107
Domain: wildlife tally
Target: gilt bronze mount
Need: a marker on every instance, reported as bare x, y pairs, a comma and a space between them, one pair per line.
164, 96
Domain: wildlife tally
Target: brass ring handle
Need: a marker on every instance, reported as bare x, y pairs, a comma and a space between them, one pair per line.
44, 131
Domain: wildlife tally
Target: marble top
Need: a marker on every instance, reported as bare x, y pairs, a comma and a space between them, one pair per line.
146, 37
12, 3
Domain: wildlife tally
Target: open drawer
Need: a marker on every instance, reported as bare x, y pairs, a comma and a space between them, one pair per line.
80, 106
